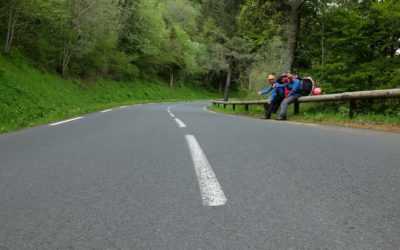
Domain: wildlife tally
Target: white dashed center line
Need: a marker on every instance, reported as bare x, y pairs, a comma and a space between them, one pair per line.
66, 121
170, 113
211, 191
180, 123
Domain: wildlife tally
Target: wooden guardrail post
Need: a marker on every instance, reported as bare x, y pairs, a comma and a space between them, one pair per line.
353, 106
296, 107
246, 107
224, 106
234, 107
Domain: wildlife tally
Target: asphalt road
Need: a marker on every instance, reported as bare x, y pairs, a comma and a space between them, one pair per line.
149, 177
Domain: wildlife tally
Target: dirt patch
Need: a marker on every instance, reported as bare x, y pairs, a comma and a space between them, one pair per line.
393, 128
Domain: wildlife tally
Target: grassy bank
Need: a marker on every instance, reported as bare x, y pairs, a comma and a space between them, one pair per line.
29, 97
311, 113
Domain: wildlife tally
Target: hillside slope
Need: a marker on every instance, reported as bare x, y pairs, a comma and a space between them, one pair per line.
29, 97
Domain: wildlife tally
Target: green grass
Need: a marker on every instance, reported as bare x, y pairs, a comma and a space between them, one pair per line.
313, 113
29, 97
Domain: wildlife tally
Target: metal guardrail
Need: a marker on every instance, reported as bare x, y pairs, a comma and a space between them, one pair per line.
352, 97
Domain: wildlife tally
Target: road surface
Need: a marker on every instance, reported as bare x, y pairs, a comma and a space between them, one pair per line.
175, 176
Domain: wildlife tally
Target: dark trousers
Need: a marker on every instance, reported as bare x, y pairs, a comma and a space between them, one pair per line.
285, 105
273, 107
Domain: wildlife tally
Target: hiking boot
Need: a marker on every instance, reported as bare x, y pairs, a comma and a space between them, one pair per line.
281, 118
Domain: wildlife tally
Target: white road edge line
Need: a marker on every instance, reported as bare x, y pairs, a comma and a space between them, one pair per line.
122, 107
180, 123
211, 191
205, 108
105, 111
66, 121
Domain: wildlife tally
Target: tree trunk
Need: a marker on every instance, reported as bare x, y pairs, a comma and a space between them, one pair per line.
249, 85
220, 86
322, 8
65, 61
171, 78
292, 35
12, 22
228, 84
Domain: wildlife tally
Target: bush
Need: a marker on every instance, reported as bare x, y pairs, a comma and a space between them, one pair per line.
122, 68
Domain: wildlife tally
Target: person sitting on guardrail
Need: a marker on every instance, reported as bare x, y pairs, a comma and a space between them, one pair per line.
294, 91
269, 88
277, 98
277, 90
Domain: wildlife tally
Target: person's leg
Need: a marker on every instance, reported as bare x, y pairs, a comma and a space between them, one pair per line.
271, 108
285, 105
277, 104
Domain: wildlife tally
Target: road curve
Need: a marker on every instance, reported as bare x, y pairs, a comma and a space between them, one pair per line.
175, 176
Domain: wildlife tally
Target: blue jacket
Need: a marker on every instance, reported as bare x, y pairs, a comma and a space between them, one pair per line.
294, 88
278, 90
266, 90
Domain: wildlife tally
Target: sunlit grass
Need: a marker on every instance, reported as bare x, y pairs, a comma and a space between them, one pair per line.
29, 97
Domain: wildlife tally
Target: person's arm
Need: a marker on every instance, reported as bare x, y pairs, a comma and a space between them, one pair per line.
296, 88
265, 91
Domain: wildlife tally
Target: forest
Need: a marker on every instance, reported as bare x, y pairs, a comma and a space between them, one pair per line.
233, 44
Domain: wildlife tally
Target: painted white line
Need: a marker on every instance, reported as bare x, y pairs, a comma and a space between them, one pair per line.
207, 110
170, 113
123, 107
107, 110
66, 121
211, 191
180, 123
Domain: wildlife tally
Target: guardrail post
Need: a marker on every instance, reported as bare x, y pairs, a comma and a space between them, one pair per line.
233, 107
296, 107
224, 106
246, 107
352, 108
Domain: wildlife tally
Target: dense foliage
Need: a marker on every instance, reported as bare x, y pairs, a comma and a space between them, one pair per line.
345, 44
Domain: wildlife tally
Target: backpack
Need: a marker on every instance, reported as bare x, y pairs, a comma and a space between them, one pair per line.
307, 86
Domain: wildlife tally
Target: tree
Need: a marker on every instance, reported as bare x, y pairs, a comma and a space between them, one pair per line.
277, 17
13, 11
12, 7
238, 57
87, 23
294, 15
